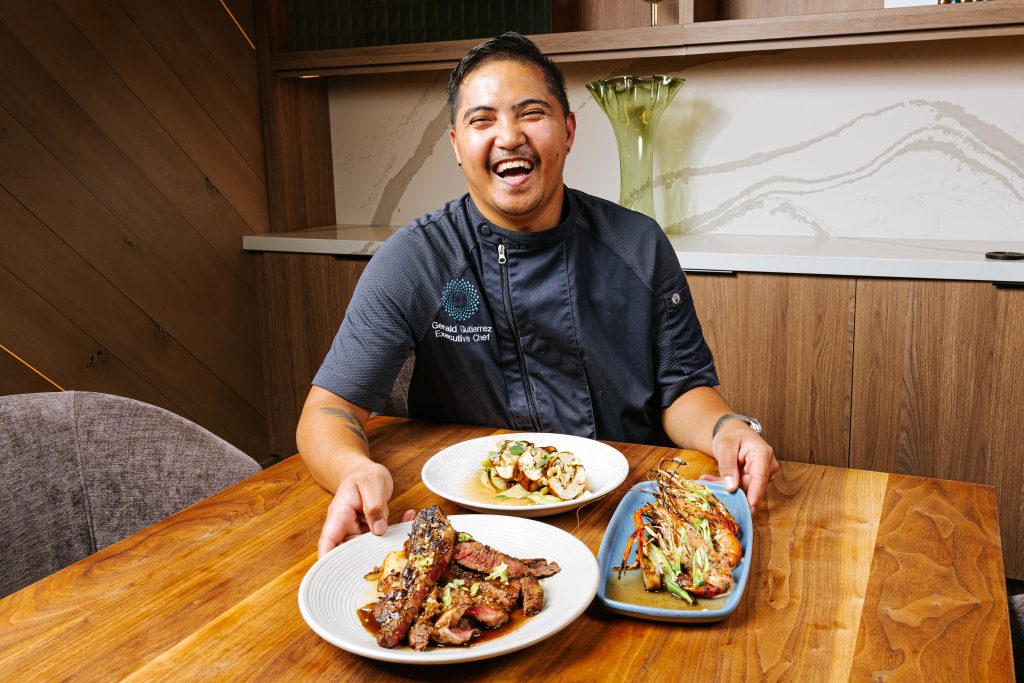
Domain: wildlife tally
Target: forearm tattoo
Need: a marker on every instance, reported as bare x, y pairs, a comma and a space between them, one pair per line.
351, 421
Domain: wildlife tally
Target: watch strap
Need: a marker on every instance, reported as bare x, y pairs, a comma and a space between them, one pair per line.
754, 424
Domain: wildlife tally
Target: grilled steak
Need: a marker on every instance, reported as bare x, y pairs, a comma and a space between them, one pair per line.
539, 568
488, 615
533, 595
419, 634
479, 557
429, 550
434, 598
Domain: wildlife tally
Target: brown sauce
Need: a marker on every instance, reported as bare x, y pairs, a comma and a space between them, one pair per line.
630, 589
517, 619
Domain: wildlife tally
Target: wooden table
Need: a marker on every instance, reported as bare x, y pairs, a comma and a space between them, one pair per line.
856, 575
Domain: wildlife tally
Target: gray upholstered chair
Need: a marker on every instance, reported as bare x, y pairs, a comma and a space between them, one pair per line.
82, 470
1017, 633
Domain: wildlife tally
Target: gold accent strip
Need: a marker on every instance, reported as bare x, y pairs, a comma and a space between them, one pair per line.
29, 366
224, 5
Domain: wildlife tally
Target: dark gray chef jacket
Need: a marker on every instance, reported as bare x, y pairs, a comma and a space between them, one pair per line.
587, 328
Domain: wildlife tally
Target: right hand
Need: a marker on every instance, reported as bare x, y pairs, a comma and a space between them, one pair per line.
360, 505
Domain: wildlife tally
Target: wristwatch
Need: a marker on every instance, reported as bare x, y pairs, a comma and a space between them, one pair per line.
754, 424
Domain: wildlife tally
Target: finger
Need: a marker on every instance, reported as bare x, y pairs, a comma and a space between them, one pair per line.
375, 504
342, 519
710, 477
727, 468
753, 490
408, 515
335, 531
755, 483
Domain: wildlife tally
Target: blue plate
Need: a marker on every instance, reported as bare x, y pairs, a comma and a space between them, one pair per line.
662, 609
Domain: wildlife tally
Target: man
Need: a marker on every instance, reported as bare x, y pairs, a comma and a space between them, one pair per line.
529, 306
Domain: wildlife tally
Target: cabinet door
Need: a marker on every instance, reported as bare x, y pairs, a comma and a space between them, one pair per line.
936, 388
302, 301
783, 348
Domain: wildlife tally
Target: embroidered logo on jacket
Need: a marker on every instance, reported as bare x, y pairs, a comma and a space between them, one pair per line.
460, 299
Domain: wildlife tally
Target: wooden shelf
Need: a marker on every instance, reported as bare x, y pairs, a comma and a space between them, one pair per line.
967, 20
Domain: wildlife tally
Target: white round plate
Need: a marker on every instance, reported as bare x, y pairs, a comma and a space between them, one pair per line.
453, 473
334, 588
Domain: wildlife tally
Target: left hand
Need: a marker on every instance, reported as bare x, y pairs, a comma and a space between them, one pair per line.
744, 460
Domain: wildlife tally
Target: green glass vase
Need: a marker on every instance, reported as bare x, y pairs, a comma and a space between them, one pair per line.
634, 104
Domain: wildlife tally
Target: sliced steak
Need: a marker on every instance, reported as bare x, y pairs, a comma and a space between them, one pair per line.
533, 595
502, 595
451, 628
429, 549
488, 615
459, 633
419, 634
479, 557
540, 568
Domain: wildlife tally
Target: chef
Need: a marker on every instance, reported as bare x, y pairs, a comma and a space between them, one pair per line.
528, 305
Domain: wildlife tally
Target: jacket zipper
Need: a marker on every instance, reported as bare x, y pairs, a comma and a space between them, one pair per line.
506, 292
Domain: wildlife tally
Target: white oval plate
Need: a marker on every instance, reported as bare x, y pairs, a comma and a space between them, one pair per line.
453, 472
334, 588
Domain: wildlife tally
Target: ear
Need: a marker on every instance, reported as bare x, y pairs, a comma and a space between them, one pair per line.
570, 130
455, 146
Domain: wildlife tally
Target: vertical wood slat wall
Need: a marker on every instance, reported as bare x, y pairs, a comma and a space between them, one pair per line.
131, 163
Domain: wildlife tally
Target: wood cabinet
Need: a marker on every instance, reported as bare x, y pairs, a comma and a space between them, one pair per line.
620, 29
302, 300
938, 371
917, 377
783, 348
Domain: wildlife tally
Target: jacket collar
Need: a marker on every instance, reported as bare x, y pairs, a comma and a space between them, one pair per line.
489, 232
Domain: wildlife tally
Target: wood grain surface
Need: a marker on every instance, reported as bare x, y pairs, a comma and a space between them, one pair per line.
302, 299
783, 348
855, 575
131, 163
936, 370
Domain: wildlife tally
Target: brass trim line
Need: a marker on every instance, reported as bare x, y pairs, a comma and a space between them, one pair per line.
224, 5
29, 366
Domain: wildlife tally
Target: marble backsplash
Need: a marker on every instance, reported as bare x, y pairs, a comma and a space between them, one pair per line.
910, 140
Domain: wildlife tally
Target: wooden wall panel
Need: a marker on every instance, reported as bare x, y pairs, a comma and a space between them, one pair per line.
1004, 461
121, 327
131, 164
16, 378
923, 377
228, 45
297, 134
199, 72
937, 376
173, 139
783, 350
302, 302
64, 349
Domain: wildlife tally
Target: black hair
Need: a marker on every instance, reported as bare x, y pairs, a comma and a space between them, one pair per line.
508, 46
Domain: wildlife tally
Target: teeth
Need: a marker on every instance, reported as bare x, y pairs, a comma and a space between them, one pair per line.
504, 166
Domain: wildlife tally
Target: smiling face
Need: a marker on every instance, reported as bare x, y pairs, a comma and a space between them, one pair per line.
511, 137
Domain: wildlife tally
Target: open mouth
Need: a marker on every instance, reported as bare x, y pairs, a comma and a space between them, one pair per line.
513, 168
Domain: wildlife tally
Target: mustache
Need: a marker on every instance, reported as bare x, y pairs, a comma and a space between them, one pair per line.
521, 152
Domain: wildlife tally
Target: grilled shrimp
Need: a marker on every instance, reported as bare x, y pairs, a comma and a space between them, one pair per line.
686, 539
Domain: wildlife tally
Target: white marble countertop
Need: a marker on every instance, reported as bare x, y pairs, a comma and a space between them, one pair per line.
853, 256
849, 256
